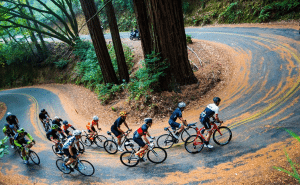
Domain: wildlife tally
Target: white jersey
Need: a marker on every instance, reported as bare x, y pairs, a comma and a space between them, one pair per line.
210, 110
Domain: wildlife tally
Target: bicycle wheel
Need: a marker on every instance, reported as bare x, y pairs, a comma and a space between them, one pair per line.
59, 165
110, 147
128, 159
34, 157
85, 140
165, 141
80, 145
99, 141
54, 151
223, 137
85, 168
157, 155
187, 133
193, 144
127, 144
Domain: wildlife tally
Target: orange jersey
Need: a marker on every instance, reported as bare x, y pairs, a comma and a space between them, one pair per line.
65, 127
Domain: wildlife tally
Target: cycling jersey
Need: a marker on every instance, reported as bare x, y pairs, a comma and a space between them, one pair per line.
176, 114
19, 140
65, 127
11, 120
141, 131
209, 111
70, 142
53, 133
10, 133
43, 116
57, 122
118, 123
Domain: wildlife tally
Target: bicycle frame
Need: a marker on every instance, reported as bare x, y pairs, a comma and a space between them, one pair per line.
192, 125
215, 127
124, 139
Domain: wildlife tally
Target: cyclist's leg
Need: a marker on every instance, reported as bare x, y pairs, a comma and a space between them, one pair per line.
118, 134
207, 126
44, 121
142, 145
71, 158
175, 125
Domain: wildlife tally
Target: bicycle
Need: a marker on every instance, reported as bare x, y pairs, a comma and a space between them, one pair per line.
167, 140
29, 154
48, 122
60, 144
111, 146
221, 136
82, 166
154, 154
97, 139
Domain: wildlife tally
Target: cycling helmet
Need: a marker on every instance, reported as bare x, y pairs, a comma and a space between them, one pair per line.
216, 99
65, 122
95, 118
56, 117
55, 126
21, 130
148, 120
9, 113
6, 125
43, 110
181, 105
123, 113
76, 132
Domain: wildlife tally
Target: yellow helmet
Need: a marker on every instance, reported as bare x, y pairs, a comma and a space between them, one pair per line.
123, 113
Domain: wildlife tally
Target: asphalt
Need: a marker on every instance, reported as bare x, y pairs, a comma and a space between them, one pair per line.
265, 101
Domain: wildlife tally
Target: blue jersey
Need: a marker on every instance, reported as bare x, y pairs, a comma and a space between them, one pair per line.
209, 111
118, 123
70, 142
176, 114
141, 131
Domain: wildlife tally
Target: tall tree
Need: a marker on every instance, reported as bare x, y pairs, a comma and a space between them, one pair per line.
94, 26
123, 70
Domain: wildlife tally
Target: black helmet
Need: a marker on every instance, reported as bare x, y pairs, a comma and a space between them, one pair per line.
148, 120
216, 99
43, 110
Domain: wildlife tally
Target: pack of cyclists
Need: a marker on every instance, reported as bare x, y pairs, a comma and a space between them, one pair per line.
59, 130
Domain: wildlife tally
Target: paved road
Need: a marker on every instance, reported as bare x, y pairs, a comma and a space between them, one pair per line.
264, 98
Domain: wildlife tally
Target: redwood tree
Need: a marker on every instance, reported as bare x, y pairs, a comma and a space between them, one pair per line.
94, 26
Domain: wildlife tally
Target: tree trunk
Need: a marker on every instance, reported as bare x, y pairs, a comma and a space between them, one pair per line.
123, 70
94, 26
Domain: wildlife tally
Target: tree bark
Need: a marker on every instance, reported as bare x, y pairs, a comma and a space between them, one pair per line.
123, 70
94, 26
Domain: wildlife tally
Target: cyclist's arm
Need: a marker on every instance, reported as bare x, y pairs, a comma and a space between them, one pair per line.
145, 138
30, 137
217, 119
126, 125
17, 143
70, 150
17, 120
120, 130
73, 127
183, 121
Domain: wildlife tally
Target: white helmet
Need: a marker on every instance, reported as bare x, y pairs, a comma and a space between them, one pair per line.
9, 113
181, 105
95, 118
76, 132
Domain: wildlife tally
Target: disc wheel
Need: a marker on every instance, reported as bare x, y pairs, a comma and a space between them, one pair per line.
59, 165
128, 159
85, 140
110, 147
223, 136
99, 140
165, 141
157, 155
194, 144
85, 168
130, 141
187, 133
34, 157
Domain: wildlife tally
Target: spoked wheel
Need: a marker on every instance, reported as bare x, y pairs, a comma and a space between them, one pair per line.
157, 155
129, 142
194, 144
128, 159
223, 136
85, 140
187, 133
99, 141
85, 168
34, 157
110, 147
81, 146
54, 151
60, 165
165, 141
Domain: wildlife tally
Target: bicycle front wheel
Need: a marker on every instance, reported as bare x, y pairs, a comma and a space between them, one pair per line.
110, 147
187, 133
128, 159
85, 168
194, 144
60, 165
222, 136
81, 146
54, 151
129, 142
165, 141
157, 155
99, 141
34, 157
85, 140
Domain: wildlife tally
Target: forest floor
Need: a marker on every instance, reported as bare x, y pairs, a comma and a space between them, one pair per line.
216, 71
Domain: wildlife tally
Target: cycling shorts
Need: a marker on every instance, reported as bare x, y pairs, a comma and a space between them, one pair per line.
67, 132
174, 125
10, 135
117, 133
67, 153
205, 123
139, 141
92, 128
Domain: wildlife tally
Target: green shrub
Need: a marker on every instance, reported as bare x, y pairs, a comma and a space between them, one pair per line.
3, 147
189, 39
62, 63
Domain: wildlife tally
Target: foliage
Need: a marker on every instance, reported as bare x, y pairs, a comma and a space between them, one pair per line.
3, 147
62, 63
13, 52
189, 39
293, 173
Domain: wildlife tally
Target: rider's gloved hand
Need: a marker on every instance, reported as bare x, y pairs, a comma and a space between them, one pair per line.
151, 144
152, 137
33, 141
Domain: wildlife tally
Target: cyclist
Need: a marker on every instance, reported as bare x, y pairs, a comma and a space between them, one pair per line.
70, 150
65, 127
209, 112
43, 116
178, 114
92, 128
9, 131
137, 137
52, 135
19, 140
57, 121
115, 128
12, 120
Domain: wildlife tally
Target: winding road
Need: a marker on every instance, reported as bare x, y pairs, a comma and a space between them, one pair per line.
262, 97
